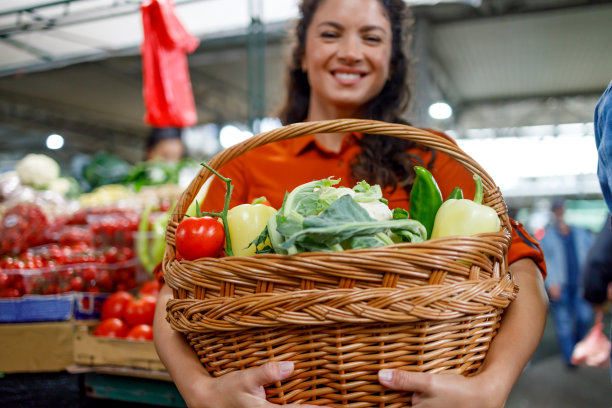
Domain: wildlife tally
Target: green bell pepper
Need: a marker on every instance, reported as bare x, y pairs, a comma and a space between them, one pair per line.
425, 199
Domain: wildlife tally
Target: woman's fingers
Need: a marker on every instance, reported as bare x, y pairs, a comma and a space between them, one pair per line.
253, 380
406, 381
267, 374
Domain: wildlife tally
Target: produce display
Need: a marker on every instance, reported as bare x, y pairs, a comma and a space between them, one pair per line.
54, 239
23, 226
54, 268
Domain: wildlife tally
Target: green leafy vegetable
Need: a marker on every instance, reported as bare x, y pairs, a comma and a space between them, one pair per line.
319, 217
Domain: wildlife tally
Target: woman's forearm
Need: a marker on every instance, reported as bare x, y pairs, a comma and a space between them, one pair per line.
521, 329
179, 358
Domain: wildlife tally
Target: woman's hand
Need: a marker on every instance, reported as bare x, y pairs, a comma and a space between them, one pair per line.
244, 388
441, 390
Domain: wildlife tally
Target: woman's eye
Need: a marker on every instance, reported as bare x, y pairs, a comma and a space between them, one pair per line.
372, 38
329, 34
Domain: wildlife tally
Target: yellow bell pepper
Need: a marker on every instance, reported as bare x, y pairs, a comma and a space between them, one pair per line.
465, 217
245, 223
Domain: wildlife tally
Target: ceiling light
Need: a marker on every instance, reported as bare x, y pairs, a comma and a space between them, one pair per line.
440, 110
55, 141
231, 135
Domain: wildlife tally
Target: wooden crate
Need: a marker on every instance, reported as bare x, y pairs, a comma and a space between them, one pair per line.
35, 347
90, 350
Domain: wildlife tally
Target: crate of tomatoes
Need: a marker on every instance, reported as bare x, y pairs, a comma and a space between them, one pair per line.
123, 335
33, 282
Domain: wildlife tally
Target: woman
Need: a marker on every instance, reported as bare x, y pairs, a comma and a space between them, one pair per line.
349, 62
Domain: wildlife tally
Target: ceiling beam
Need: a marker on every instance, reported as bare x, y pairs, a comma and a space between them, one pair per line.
90, 135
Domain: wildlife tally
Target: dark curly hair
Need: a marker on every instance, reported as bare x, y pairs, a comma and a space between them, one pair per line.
383, 160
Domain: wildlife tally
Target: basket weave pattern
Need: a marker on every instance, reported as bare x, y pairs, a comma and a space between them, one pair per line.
342, 316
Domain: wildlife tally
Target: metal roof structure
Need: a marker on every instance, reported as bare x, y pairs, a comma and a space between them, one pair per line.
74, 65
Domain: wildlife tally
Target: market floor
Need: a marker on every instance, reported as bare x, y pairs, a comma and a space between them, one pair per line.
548, 383
545, 383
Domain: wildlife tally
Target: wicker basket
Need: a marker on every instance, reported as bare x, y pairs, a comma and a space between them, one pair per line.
342, 316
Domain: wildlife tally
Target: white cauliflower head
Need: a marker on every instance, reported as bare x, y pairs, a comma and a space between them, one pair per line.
37, 170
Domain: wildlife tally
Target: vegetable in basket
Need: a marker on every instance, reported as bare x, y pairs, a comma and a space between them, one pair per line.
204, 235
456, 194
465, 217
425, 198
199, 237
319, 217
246, 222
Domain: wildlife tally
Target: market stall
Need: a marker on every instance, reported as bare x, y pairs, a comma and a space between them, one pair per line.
77, 261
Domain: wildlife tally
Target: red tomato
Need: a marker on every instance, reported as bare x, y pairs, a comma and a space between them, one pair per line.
76, 283
9, 293
149, 288
140, 332
88, 273
4, 280
115, 305
112, 327
199, 237
140, 310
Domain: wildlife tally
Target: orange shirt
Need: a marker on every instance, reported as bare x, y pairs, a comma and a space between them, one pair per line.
276, 168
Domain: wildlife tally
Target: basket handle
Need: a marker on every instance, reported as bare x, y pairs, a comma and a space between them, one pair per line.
492, 195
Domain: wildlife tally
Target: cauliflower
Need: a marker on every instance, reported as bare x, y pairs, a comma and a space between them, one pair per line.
37, 170
377, 210
60, 185
368, 197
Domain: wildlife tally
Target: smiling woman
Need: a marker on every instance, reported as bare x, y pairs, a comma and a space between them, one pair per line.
349, 61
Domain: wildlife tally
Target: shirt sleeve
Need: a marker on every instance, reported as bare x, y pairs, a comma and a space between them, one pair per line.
603, 141
525, 246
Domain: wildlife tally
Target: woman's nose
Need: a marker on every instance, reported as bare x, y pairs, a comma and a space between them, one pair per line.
349, 51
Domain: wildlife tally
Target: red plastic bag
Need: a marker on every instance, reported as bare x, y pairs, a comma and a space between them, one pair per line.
594, 349
167, 91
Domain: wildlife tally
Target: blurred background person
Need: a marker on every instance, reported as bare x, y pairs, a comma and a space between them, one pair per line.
565, 250
165, 144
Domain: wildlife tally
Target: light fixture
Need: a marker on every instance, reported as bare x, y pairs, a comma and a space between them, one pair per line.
231, 134
55, 141
440, 110
267, 124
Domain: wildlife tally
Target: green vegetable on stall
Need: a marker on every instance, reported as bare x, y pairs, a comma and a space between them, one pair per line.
425, 199
142, 240
158, 229
105, 168
151, 242
465, 217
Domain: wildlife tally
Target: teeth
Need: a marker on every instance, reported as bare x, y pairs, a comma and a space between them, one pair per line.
346, 77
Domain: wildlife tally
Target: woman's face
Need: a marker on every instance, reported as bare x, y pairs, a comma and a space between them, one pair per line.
348, 49
170, 150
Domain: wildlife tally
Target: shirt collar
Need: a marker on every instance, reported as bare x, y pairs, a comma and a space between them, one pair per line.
301, 144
